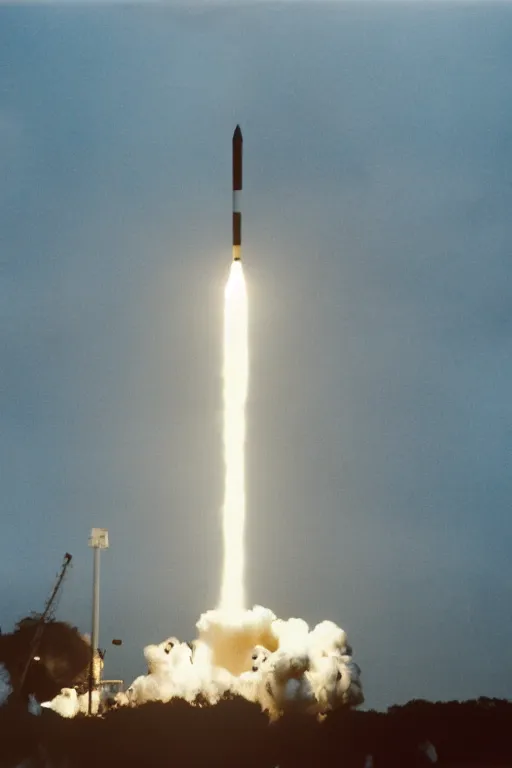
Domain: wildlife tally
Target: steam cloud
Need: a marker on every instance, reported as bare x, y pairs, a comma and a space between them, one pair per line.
281, 665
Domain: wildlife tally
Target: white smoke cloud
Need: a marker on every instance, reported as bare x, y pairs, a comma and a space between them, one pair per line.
5, 684
69, 703
281, 665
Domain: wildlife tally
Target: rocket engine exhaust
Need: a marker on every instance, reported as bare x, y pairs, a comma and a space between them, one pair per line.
235, 375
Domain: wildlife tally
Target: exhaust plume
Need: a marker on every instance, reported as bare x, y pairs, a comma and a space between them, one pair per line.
281, 665
235, 377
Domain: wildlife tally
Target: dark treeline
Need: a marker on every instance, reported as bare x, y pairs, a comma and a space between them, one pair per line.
42, 657
236, 734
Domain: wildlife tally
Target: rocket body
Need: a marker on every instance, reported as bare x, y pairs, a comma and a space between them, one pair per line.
237, 194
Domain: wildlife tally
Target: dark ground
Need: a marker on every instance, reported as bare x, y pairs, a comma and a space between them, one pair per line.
237, 734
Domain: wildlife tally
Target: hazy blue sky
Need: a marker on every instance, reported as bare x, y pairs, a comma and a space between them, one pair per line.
377, 233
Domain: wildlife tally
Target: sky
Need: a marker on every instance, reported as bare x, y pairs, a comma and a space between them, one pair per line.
377, 230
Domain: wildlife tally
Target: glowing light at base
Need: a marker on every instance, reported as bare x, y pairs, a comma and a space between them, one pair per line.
235, 376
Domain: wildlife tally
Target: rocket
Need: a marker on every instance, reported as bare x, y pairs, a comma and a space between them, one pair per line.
237, 194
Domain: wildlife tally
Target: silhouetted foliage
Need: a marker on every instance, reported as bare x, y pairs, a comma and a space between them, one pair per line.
62, 657
236, 734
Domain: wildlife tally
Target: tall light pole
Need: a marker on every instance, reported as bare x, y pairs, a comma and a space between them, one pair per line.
98, 540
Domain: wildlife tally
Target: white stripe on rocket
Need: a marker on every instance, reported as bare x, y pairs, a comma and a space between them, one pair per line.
237, 201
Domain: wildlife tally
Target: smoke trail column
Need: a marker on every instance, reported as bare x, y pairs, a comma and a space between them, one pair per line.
235, 380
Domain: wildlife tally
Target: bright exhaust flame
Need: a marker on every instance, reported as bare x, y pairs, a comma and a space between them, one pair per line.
235, 375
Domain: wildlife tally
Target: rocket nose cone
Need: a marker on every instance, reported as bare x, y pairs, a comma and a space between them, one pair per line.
237, 136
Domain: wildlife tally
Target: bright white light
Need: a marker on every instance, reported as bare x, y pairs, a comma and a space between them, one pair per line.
235, 373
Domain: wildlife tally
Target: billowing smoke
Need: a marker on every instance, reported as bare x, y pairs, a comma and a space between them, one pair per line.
281, 665
5, 684
69, 703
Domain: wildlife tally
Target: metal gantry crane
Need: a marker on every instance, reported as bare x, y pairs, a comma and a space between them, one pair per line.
47, 614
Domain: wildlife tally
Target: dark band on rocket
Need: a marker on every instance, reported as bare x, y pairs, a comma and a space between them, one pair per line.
237, 228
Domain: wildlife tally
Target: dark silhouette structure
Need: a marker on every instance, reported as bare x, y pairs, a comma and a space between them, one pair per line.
42, 658
236, 734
